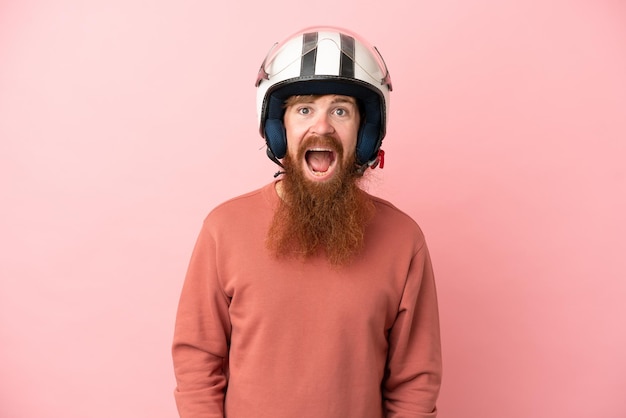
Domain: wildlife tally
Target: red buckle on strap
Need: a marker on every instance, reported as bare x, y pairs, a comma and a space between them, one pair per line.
380, 159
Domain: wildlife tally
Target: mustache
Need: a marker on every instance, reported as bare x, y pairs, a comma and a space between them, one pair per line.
324, 141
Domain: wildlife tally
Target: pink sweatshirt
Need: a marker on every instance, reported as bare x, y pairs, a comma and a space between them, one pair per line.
260, 337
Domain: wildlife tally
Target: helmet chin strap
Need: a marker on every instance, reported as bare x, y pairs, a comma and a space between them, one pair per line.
272, 157
379, 161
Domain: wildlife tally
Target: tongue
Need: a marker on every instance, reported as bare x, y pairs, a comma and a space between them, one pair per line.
319, 160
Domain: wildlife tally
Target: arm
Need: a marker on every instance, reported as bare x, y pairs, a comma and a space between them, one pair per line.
413, 377
200, 346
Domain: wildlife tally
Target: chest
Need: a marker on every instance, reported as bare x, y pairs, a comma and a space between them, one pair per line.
312, 295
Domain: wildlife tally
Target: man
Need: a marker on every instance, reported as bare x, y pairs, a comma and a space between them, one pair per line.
310, 298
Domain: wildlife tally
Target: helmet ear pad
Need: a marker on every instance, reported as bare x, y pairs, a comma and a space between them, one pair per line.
274, 129
275, 137
367, 143
371, 134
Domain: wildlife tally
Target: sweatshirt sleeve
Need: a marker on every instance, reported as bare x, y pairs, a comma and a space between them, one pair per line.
200, 345
413, 377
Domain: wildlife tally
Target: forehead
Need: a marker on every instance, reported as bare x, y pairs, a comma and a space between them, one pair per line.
312, 98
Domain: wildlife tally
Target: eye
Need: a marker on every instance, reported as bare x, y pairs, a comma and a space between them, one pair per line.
304, 110
341, 111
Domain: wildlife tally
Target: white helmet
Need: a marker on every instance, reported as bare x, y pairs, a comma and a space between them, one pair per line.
324, 60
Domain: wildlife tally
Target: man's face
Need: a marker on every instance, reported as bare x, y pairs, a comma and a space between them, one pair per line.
321, 134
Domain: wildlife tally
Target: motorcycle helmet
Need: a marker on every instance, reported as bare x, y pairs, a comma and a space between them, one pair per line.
324, 60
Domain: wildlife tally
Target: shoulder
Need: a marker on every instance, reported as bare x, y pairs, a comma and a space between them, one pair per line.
385, 207
390, 220
242, 213
244, 202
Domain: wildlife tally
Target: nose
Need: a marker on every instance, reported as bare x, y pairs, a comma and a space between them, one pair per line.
322, 125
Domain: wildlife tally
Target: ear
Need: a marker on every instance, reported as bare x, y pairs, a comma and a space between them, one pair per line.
275, 137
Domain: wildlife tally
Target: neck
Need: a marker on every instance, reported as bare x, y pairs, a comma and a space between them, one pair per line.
279, 189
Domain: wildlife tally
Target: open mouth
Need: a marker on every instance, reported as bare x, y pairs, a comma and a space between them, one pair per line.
320, 160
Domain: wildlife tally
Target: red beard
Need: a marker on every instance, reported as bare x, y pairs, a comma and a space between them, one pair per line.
316, 217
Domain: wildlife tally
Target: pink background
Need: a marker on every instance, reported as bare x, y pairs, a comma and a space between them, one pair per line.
123, 122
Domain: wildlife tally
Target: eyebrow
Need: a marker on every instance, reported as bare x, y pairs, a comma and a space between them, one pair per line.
344, 99
293, 100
